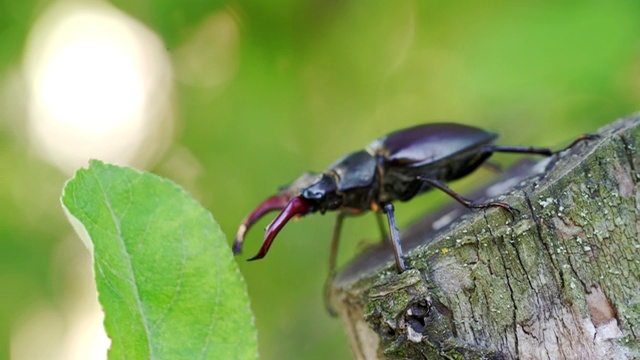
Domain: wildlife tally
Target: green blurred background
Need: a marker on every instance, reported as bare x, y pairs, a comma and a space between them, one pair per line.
261, 91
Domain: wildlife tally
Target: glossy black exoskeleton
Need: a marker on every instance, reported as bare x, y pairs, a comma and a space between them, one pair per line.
397, 166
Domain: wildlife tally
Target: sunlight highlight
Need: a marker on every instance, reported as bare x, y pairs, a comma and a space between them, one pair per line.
99, 86
97, 80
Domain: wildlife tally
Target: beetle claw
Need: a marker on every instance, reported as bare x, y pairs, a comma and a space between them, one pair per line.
581, 138
276, 202
512, 211
298, 206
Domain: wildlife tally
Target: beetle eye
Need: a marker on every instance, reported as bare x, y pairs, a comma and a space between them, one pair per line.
320, 189
312, 195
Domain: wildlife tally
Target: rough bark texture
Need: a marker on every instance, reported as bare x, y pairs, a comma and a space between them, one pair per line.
561, 281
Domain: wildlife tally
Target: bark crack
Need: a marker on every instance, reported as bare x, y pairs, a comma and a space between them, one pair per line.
629, 151
628, 147
540, 238
507, 274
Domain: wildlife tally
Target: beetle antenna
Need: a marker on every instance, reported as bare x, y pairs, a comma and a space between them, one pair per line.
276, 202
297, 206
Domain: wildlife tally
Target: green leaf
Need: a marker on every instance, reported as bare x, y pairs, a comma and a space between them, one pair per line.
165, 275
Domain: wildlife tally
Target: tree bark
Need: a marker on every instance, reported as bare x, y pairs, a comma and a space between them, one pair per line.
561, 280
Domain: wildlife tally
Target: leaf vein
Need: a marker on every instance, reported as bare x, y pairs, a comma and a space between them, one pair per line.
129, 263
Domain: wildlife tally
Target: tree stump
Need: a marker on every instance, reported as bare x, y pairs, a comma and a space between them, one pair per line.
560, 281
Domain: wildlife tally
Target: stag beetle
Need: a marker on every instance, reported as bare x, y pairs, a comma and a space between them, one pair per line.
397, 166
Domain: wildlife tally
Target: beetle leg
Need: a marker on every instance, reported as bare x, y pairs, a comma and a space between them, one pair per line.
297, 206
518, 149
395, 236
466, 202
276, 202
333, 256
534, 150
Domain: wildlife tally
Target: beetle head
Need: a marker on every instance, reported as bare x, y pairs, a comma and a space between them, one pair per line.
273, 203
323, 194
309, 193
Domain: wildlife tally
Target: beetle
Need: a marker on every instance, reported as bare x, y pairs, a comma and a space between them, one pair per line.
394, 167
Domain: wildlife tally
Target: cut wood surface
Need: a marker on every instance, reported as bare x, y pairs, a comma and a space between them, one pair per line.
560, 281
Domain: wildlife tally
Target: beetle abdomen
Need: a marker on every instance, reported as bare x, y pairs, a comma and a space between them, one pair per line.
428, 143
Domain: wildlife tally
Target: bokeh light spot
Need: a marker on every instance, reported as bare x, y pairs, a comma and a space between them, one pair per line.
99, 85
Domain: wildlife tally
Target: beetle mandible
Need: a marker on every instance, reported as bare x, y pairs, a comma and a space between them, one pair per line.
397, 166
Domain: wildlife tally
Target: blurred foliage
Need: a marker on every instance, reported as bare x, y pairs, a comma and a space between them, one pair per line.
304, 83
